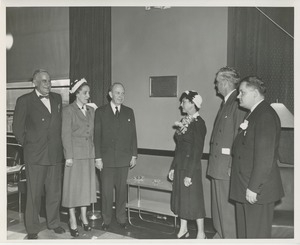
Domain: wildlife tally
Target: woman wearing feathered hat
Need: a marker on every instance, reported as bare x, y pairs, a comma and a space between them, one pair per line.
79, 186
187, 199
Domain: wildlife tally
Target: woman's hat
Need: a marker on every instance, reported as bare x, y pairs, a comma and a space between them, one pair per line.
194, 96
76, 84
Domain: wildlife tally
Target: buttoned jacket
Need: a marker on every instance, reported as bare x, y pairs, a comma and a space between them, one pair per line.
226, 126
78, 132
255, 157
189, 147
115, 137
38, 130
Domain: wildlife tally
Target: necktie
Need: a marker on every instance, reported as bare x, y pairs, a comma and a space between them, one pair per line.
83, 110
44, 96
117, 112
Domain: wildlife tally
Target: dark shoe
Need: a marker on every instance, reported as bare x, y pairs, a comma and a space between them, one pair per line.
105, 227
123, 225
32, 236
184, 236
73, 232
59, 230
86, 227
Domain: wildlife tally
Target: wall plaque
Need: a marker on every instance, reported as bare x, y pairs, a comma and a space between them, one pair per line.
163, 86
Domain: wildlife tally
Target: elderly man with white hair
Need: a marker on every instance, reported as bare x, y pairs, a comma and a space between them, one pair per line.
227, 122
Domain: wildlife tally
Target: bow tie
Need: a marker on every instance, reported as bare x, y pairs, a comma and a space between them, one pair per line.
44, 96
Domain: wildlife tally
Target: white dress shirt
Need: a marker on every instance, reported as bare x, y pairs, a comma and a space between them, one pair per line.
45, 101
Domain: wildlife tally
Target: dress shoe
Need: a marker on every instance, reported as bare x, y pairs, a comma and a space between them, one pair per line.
73, 232
32, 236
105, 226
184, 236
59, 230
123, 225
86, 227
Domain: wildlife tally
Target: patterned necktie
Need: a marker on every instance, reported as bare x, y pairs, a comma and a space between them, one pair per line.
117, 112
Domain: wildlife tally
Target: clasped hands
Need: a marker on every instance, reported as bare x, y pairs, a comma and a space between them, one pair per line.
187, 180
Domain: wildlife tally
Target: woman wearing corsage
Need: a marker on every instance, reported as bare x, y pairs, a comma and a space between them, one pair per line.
187, 199
79, 186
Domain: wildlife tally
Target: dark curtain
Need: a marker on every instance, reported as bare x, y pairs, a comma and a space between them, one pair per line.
256, 46
90, 49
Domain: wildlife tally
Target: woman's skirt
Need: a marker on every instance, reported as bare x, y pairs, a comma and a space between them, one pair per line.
188, 202
79, 185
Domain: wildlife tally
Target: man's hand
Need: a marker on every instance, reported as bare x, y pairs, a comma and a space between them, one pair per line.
99, 164
133, 162
187, 181
251, 196
171, 174
69, 162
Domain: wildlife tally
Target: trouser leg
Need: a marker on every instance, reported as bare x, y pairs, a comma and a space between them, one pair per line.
240, 220
223, 210
121, 193
35, 176
107, 186
259, 219
53, 185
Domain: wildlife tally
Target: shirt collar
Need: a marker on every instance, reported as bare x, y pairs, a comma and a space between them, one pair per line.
253, 107
38, 93
196, 114
227, 96
113, 106
82, 107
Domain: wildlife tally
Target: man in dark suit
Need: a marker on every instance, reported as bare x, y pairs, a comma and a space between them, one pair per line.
116, 150
255, 178
226, 125
37, 126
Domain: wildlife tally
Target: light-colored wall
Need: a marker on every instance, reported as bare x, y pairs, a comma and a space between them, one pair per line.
41, 40
189, 42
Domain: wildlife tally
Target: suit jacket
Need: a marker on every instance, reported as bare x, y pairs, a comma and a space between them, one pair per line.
78, 132
226, 126
115, 138
38, 130
189, 147
255, 156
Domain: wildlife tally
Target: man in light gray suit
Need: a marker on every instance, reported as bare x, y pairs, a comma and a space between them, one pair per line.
225, 129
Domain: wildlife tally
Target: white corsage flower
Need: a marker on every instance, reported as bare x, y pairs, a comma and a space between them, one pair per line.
244, 125
182, 126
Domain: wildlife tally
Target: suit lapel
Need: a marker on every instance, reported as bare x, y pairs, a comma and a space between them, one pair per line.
78, 111
224, 109
39, 104
88, 113
53, 104
256, 112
